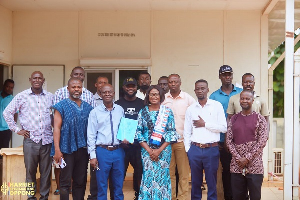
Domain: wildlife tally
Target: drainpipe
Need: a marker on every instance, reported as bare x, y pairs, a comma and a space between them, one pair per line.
288, 98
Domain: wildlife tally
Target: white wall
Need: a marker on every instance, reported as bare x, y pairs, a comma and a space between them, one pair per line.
6, 34
193, 44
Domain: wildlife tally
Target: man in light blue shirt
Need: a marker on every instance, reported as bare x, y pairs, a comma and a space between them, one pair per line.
104, 148
223, 95
5, 99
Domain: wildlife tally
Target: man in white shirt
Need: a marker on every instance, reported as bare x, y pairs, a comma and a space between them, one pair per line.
204, 120
144, 82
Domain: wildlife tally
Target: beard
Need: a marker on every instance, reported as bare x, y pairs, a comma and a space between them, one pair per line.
76, 96
144, 87
130, 95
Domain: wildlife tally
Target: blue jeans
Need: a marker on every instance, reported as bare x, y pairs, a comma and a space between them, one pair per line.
110, 161
206, 159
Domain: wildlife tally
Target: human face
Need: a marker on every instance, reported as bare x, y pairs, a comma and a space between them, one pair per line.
154, 97
144, 81
107, 93
163, 83
78, 73
37, 80
75, 89
8, 88
246, 100
201, 90
248, 82
100, 82
226, 78
174, 83
130, 90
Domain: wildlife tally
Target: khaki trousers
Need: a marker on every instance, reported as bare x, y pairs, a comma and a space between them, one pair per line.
179, 158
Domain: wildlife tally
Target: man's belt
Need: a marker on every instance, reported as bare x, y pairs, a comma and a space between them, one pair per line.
207, 145
109, 147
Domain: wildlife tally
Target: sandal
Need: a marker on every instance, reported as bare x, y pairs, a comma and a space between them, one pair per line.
56, 192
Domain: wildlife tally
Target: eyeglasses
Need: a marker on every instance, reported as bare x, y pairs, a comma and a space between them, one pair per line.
154, 95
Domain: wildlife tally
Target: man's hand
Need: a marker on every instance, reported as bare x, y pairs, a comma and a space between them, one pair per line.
199, 123
24, 133
94, 163
57, 156
242, 162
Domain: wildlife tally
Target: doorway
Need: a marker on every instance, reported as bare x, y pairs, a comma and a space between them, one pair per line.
115, 77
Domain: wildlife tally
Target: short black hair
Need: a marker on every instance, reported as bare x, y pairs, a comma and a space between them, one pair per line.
252, 92
101, 77
77, 67
202, 81
73, 79
144, 72
248, 74
161, 94
8, 81
163, 77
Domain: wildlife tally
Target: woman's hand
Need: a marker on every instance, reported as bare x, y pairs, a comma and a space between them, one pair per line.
155, 154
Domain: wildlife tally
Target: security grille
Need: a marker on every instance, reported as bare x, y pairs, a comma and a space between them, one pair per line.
278, 161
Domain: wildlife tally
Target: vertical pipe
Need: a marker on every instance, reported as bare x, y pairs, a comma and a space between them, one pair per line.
296, 127
272, 133
117, 87
288, 98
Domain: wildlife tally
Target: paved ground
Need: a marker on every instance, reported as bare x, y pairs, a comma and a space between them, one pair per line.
268, 193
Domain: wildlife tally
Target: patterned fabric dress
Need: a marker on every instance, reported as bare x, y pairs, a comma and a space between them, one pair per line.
156, 183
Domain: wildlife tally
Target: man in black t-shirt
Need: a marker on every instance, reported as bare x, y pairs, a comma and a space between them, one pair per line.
132, 105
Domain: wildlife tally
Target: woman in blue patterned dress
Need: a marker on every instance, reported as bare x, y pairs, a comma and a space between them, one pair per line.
155, 132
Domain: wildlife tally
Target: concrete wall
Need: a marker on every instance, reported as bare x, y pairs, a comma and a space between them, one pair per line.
191, 43
6, 35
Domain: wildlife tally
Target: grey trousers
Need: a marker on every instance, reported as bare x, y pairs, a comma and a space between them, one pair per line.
36, 154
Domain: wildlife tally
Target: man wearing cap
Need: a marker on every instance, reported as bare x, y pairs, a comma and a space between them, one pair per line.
132, 105
223, 95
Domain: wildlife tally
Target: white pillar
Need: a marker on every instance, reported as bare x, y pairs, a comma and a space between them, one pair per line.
288, 98
296, 127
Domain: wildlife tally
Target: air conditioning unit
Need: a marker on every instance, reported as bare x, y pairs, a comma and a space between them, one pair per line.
278, 160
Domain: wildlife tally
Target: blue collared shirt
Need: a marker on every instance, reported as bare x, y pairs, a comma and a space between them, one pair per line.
103, 126
3, 103
223, 98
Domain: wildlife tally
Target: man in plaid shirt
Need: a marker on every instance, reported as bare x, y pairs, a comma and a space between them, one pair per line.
34, 106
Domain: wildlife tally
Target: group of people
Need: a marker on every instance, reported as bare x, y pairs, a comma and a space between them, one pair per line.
174, 132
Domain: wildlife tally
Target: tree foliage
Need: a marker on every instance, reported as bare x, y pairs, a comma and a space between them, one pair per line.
278, 81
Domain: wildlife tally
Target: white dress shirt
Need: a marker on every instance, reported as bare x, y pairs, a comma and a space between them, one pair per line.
215, 122
140, 95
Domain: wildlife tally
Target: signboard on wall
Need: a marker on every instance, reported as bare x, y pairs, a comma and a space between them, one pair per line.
54, 79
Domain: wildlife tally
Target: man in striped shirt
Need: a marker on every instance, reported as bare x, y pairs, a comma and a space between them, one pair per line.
34, 106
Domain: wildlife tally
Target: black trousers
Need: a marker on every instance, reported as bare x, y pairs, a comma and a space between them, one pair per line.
225, 158
75, 169
5, 137
132, 156
241, 184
